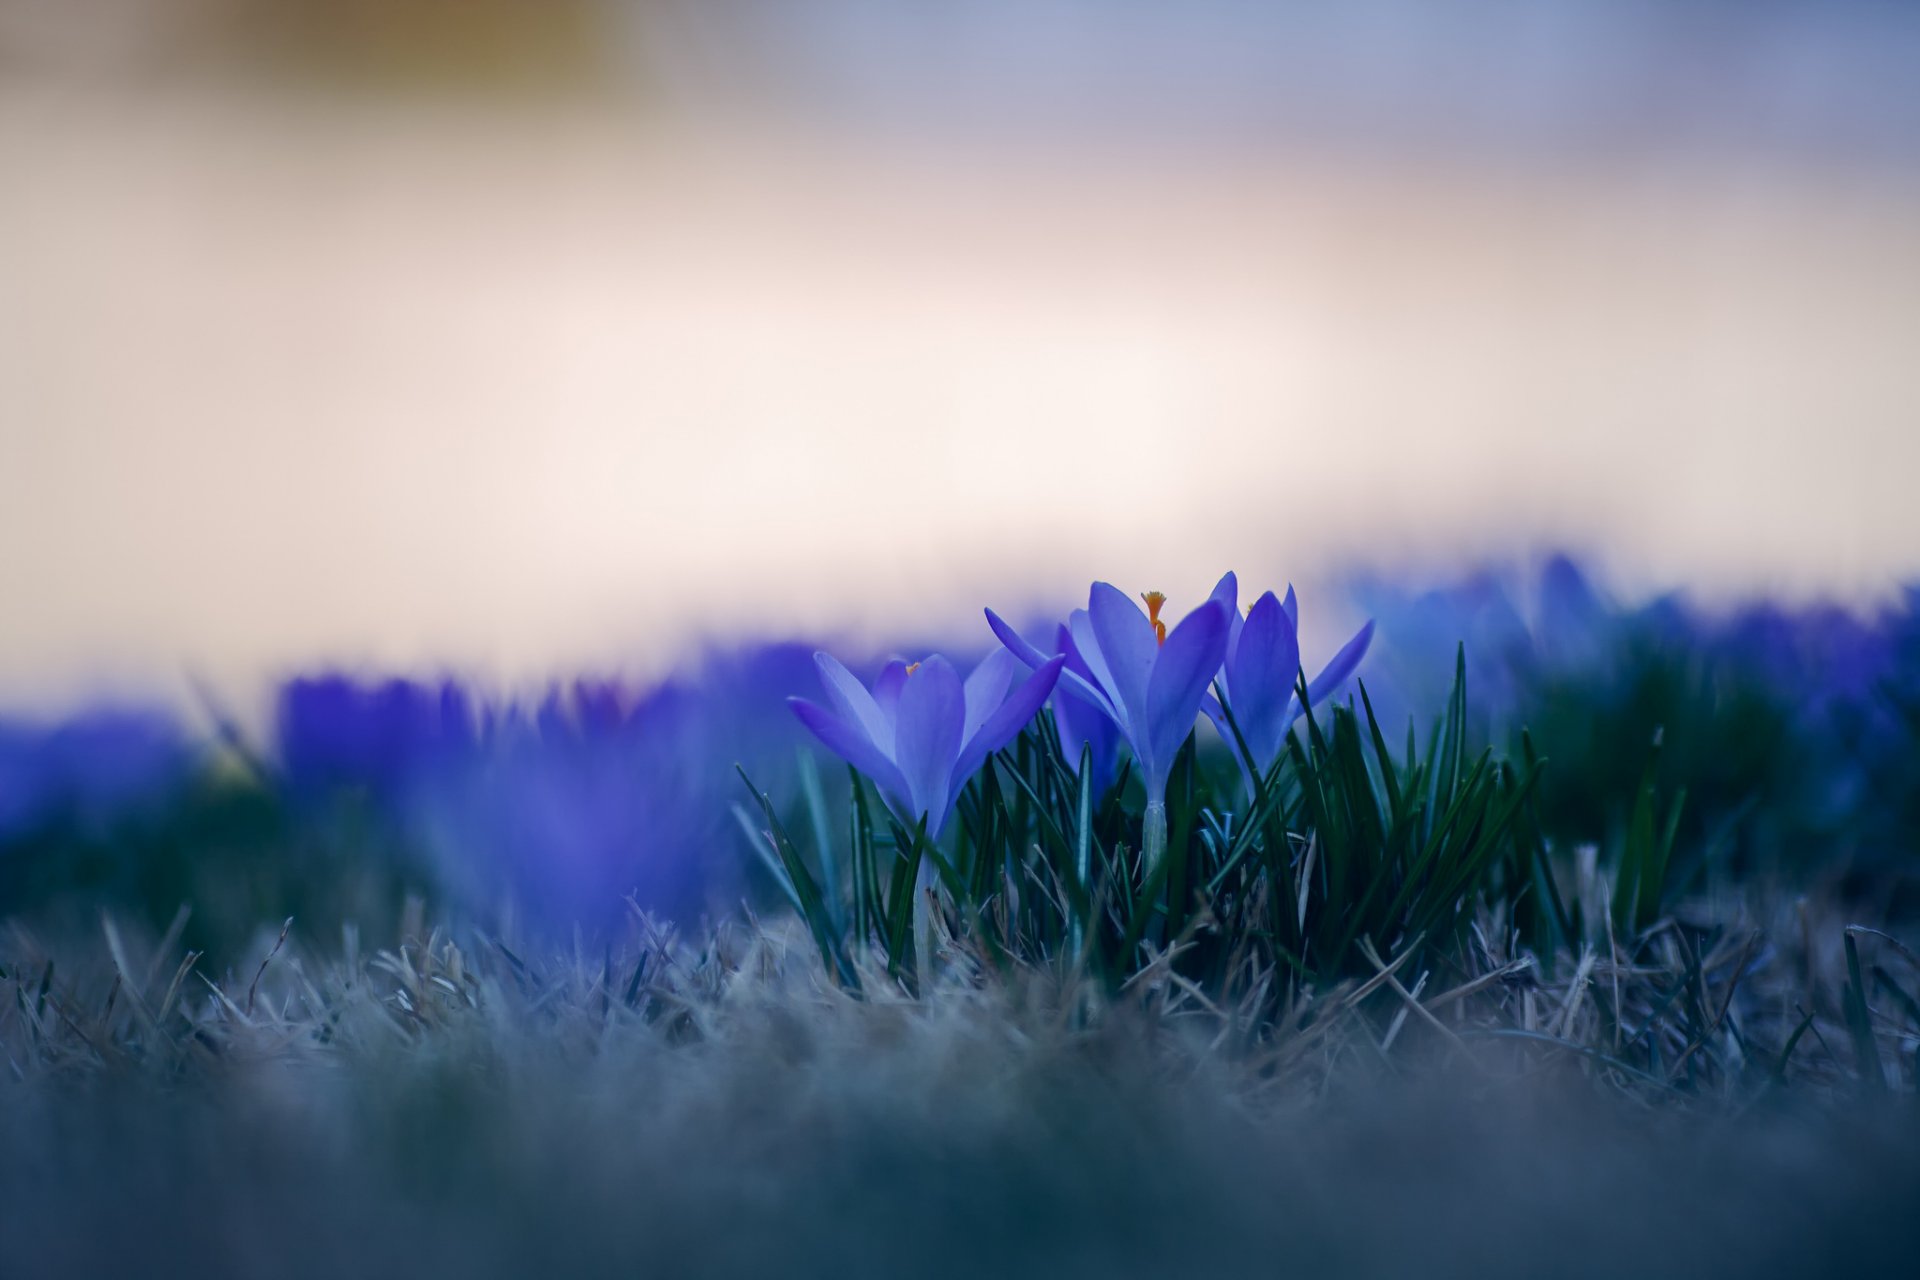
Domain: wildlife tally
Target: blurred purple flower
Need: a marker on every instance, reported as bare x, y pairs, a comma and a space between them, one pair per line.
565, 805
1573, 619
1411, 672
89, 769
334, 732
1261, 668
599, 790
921, 732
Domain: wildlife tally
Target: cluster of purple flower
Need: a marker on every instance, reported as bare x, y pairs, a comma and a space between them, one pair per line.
1803, 725
562, 807
1116, 675
87, 771
1795, 730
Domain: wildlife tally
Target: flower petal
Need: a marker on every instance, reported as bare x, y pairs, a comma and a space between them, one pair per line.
1083, 725
1210, 707
1127, 643
1227, 591
1261, 672
1015, 642
1080, 627
927, 737
853, 703
853, 746
1181, 673
1077, 679
1336, 672
1005, 722
986, 689
1076, 664
886, 690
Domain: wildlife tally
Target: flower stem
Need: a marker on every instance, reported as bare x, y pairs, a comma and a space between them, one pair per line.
922, 925
1153, 835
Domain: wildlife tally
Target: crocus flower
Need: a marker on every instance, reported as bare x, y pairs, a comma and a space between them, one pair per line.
597, 791
1083, 723
334, 731
1146, 679
1261, 668
921, 732
90, 769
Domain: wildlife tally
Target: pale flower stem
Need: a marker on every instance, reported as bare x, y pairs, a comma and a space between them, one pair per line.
923, 924
1153, 835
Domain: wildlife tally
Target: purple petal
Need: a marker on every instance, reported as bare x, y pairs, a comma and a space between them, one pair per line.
1080, 626
1082, 724
1127, 642
1292, 606
1063, 640
1016, 643
1076, 677
1005, 723
1261, 672
1265, 666
986, 689
1227, 592
853, 746
886, 691
1185, 667
1210, 707
927, 737
852, 701
1337, 671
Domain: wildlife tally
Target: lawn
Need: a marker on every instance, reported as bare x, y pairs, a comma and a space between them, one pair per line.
1527, 933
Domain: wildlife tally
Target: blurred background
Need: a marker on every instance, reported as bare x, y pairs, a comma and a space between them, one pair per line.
516, 339
524, 335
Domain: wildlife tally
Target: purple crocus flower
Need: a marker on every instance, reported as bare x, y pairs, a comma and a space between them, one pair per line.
921, 731
1261, 668
1084, 724
91, 769
567, 804
334, 732
1147, 680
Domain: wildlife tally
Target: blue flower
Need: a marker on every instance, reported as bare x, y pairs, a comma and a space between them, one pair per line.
1261, 669
1147, 681
921, 732
334, 732
1084, 724
90, 769
567, 803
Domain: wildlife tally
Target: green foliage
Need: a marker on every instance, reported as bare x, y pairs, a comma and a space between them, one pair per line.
227, 848
1343, 852
1644, 860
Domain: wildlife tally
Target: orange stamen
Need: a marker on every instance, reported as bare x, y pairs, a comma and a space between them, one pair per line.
912, 667
1154, 600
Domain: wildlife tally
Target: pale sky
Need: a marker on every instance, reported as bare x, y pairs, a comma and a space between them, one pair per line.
518, 390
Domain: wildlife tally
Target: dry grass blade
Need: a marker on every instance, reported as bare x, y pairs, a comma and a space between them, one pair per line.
1475, 986
117, 950
173, 988
1385, 972
1407, 997
253, 988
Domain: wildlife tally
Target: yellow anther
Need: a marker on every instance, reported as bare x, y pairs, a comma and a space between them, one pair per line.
912, 667
1154, 600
